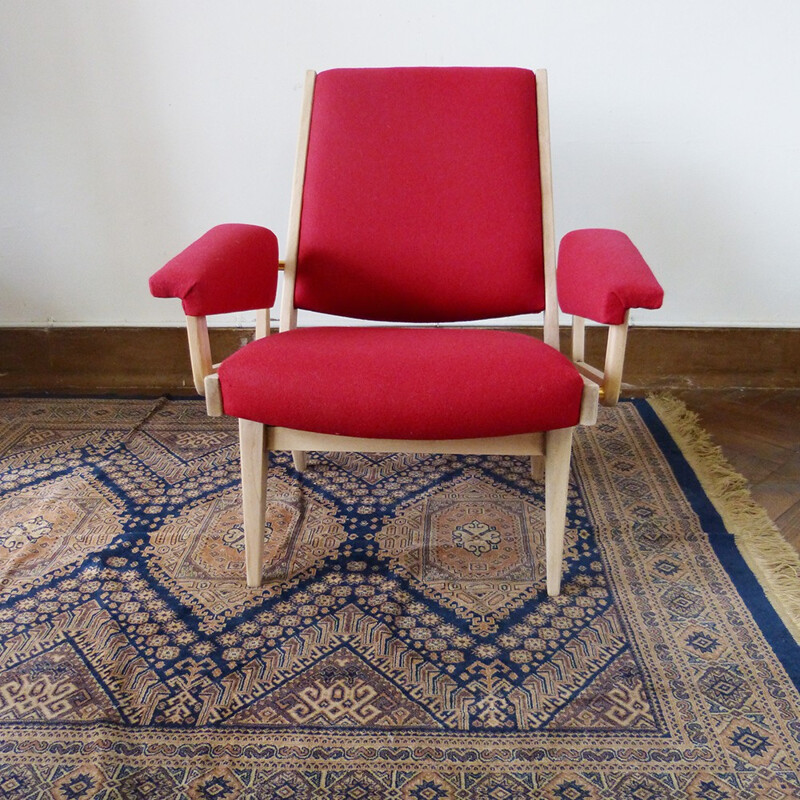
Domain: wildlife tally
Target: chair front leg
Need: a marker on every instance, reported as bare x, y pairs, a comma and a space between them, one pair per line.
255, 461
558, 451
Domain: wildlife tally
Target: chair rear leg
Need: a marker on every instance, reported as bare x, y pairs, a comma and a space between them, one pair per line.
558, 450
255, 461
537, 468
300, 460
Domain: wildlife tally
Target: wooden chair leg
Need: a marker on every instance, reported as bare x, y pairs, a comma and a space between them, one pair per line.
300, 460
558, 450
537, 468
255, 461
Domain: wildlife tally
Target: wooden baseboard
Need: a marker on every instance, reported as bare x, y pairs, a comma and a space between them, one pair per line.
153, 361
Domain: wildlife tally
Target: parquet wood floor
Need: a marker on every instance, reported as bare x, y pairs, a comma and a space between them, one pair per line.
759, 433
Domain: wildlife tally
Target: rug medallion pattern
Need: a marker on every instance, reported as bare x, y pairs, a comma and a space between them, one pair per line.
402, 644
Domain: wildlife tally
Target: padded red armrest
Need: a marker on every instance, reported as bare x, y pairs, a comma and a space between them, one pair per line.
233, 267
601, 275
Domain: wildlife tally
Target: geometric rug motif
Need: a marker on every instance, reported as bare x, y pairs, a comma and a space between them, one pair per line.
401, 645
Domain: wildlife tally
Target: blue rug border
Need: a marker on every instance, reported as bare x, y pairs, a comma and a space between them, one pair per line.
724, 545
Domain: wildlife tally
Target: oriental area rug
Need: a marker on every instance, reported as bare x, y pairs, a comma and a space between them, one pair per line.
402, 644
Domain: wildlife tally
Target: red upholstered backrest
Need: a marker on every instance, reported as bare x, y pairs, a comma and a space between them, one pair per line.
422, 198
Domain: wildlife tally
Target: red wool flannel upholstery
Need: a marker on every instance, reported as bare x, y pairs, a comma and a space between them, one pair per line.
411, 211
601, 275
233, 267
402, 383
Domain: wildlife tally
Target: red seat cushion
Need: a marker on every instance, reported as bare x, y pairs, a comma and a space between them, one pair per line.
402, 383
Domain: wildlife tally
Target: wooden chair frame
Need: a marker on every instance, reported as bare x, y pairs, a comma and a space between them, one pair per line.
550, 451
609, 379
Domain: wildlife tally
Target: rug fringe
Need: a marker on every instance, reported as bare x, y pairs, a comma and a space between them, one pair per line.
774, 562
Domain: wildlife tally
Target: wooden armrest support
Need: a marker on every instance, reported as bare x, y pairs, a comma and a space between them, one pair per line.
589, 401
200, 348
610, 378
199, 351
213, 396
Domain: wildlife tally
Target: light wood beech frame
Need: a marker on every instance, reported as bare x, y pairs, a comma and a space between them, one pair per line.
256, 440
288, 310
610, 378
200, 347
550, 451
551, 328
199, 351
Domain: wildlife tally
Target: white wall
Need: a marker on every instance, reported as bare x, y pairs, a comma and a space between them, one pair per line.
129, 128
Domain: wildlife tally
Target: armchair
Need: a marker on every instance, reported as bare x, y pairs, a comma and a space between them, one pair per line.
421, 195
